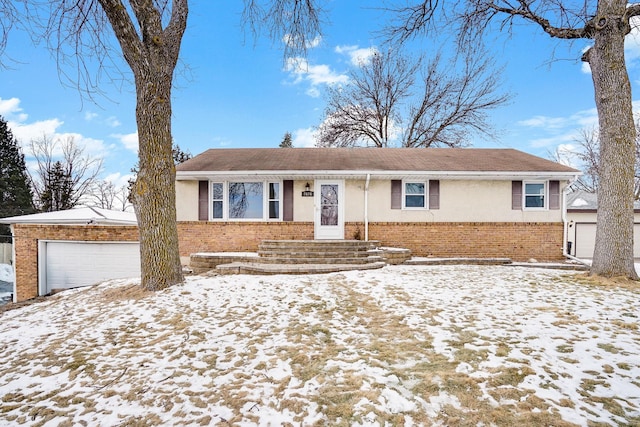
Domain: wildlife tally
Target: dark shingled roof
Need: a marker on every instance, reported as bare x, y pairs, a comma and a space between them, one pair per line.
370, 159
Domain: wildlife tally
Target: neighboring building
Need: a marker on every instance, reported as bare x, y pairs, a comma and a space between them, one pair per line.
440, 202
582, 209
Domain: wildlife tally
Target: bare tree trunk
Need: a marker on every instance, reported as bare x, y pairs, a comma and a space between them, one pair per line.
152, 53
613, 254
154, 189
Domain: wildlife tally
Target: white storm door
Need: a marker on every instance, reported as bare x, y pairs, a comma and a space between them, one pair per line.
329, 209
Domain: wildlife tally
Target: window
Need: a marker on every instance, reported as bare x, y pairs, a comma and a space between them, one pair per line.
274, 200
217, 195
415, 195
245, 200
535, 195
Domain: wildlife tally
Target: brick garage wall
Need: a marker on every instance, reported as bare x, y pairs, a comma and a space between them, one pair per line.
198, 236
26, 237
518, 241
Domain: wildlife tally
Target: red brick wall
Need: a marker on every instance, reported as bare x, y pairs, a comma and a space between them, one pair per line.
518, 241
234, 236
25, 240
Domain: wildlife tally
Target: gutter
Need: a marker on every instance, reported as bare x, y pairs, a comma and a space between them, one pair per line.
366, 208
565, 234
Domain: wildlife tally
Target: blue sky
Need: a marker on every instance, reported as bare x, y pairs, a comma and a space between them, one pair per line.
233, 90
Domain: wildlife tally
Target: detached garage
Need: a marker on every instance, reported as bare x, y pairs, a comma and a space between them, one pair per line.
70, 264
582, 208
73, 248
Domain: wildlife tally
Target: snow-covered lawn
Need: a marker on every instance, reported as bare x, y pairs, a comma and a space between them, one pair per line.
404, 345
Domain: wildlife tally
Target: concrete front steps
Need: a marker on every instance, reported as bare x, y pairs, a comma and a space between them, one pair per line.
301, 257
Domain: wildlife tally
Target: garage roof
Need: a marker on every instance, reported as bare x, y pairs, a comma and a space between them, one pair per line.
584, 201
83, 215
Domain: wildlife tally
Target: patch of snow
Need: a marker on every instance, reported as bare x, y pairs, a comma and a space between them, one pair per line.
579, 202
273, 350
6, 273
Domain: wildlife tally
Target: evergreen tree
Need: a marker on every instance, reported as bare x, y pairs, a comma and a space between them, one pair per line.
178, 155
58, 190
16, 197
287, 142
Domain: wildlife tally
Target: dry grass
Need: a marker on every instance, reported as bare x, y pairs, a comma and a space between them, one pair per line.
343, 356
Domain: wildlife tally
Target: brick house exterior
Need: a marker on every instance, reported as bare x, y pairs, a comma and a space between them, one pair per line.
435, 202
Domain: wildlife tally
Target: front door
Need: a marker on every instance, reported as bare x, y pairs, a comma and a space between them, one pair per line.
329, 210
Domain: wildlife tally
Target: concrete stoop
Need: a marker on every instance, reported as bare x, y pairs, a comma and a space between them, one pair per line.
301, 257
327, 256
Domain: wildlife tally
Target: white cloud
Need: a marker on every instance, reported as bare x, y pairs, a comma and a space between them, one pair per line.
88, 116
290, 41
582, 119
113, 122
9, 106
118, 180
304, 138
129, 140
357, 56
544, 122
567, 155
25, 132
565, 138
10, 109
301, 70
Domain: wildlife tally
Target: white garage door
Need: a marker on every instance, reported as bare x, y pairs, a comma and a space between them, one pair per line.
586, 240
66, 265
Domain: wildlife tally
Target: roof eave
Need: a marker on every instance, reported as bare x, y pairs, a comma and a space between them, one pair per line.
377, 174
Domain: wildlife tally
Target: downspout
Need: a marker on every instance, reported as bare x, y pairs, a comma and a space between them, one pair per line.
366, 208
13, 261
565, 234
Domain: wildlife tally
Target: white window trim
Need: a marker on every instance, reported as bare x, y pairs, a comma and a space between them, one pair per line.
426, 195
545, 195
265, 201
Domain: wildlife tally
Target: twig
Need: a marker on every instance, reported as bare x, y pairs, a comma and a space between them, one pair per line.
114, 380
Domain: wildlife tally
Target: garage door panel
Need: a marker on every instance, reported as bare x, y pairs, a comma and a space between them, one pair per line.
586, 240
73, 264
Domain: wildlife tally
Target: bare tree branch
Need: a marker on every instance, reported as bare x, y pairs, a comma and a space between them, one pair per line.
64, 174
297, 23
381, 103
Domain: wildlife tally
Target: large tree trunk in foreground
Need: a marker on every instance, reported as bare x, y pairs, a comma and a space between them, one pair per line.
613, 255
152, 53
154, 189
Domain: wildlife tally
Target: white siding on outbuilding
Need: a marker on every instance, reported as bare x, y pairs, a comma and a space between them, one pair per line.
585, 240
69, 264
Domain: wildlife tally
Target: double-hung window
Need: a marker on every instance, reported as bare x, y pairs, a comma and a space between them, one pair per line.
535, 195
414, 195
245, 200
217, 196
